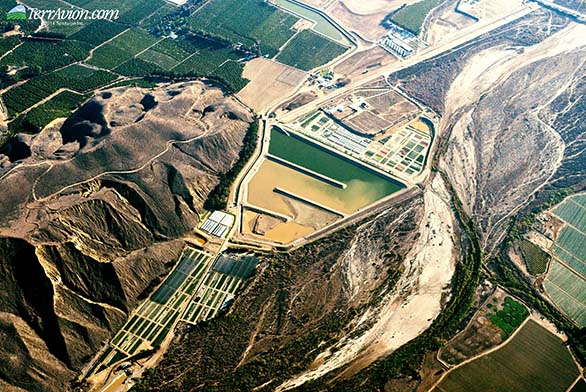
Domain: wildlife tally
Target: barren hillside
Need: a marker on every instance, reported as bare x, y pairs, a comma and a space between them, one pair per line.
96, 215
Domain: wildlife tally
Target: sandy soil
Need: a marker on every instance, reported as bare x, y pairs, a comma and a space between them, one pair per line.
372, 6
444, 21
362, 62
316, 3
491, 9
367, 26
411, 307
270, 83
287, 232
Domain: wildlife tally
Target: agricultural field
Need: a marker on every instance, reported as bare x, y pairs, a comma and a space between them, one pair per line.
566, 281
580, 386
211, 59
47, 56
309, 50
155, 318
493, 323
166, 54
534, 360
250, 22
74, 77
535, 259
568, 291
8, 43
227, 275
60, 106
269, 82
98, 32
122, 48
412, 16
509, 316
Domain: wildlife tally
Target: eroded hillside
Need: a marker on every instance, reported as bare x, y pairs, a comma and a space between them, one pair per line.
96, 215
505, 133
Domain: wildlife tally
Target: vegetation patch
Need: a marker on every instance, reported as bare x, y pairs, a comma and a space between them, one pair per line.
568, 291
510, 316
75, 77
122, 48
411, 17
60, 106
253, 23
47, 55
491, 325
535, 259
98, 32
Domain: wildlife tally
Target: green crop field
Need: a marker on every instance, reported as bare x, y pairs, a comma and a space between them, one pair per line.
122, 48
411, 17
8, 43
98, 32
211, 59
137, 67
535, 259
166, 54
573, 242
250, 22
580, 386
568, 291
309, 50
60, 106
47, 56
571, 260
566, 281
534, 360
573, 212
74, 77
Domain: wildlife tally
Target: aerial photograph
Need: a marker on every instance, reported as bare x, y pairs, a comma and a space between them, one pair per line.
292, 195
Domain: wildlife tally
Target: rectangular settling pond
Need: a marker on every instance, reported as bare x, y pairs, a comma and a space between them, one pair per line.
363, 186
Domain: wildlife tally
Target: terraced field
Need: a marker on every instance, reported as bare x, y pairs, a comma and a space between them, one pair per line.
534, 360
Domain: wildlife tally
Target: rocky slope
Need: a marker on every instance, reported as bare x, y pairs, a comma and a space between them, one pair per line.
96, 214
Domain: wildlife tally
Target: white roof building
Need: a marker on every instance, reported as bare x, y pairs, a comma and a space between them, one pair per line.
218, 224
